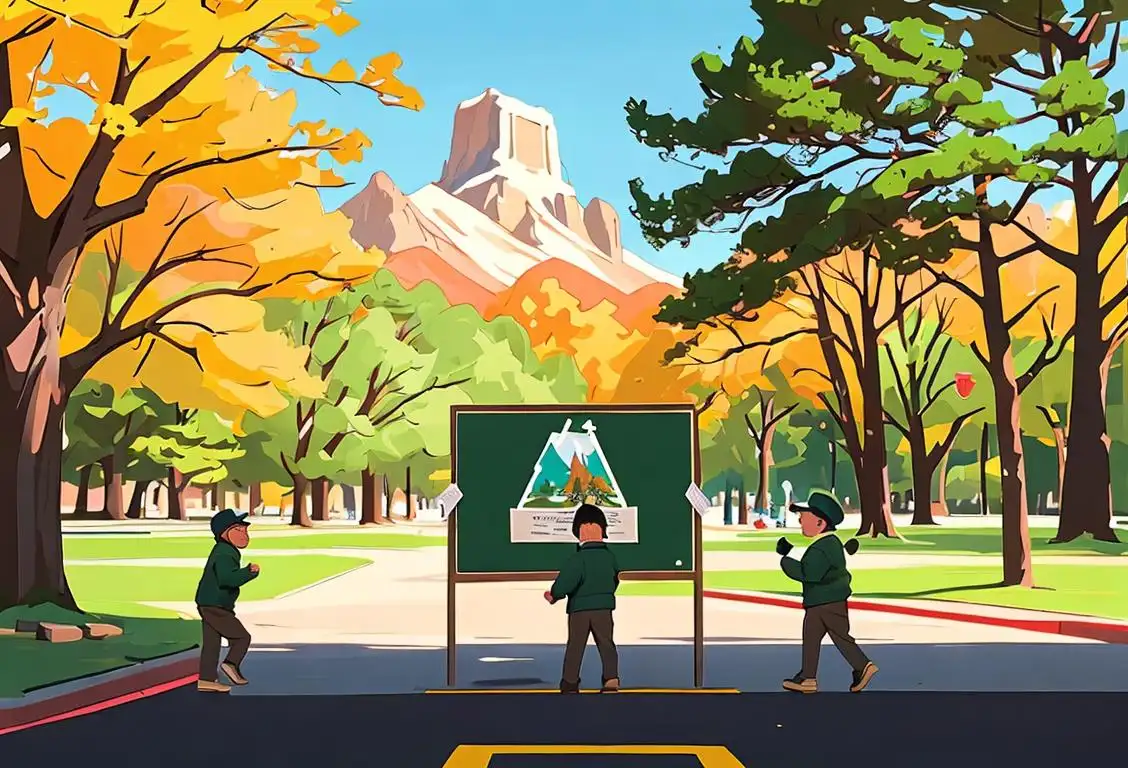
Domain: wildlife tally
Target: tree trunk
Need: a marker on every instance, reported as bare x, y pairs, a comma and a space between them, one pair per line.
82, 501
1017, 562
1086, 493
368, 510
742, 504
111, 489
922, 473
409, 506
765, 461
298, 514
348, 499
213, 497
176, 508
873, 478
136, 509
942, 482
31, 536
984, 456
728, 502
387, 498
319, 492
255, 492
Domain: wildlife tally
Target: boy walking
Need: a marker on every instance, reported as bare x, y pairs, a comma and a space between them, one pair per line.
215, 600
589, 579
826, 587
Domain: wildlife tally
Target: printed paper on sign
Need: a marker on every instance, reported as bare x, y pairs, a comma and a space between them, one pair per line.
697, 499
449, 498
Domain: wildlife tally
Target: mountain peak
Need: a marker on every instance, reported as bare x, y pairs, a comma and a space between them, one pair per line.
498, 135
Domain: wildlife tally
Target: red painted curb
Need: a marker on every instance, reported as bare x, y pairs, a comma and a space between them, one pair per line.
1089, 630
111, 693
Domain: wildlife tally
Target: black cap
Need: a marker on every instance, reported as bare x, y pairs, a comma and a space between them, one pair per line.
225, 519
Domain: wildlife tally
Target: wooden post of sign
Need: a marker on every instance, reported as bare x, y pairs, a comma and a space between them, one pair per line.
452, 609
698, 573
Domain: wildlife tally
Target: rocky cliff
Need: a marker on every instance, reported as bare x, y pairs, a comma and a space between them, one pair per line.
500, 208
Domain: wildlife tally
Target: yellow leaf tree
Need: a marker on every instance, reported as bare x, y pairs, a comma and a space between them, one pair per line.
169, 114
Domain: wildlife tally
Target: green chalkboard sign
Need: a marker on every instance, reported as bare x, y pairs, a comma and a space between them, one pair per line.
523, 469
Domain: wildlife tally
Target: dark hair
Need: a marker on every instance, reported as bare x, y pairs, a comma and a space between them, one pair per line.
589, 513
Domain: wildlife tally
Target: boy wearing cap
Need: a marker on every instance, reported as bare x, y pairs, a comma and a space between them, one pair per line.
826, 587
589, 579
215, 600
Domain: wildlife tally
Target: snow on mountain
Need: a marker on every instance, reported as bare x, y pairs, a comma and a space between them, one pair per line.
500, 208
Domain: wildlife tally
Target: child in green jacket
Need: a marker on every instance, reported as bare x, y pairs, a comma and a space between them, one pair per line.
826, 587
216, 594
588, 580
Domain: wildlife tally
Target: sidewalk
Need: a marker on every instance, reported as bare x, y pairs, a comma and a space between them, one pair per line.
1046, 622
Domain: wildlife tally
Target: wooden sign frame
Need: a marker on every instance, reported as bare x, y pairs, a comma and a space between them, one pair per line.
454, 577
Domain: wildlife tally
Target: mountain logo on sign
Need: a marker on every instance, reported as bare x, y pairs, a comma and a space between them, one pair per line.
572, 470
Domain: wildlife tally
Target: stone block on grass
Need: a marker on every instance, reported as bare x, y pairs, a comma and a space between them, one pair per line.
58, 633
94, 631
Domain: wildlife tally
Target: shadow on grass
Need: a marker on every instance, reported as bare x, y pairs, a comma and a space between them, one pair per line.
31, 665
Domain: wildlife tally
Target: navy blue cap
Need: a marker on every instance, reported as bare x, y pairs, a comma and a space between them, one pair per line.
225, 519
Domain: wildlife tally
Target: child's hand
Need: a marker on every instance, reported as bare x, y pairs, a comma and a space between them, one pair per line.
253, 568
549, 598
783, 546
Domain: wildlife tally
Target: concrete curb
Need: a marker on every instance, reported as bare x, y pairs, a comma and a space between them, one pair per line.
99, 692
1104, 632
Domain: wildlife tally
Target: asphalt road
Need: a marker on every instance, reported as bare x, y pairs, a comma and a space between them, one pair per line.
186, 728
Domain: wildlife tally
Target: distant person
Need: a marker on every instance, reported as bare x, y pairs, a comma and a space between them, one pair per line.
589, 579
215, 601
826, 588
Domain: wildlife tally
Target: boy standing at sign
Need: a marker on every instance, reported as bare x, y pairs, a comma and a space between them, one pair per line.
588, 580
826, 587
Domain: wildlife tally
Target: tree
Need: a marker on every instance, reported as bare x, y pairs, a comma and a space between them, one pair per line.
917, 354
164, 115
101, 425
878, 96
195, 449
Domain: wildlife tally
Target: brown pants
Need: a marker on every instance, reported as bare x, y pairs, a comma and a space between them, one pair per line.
831, 619
221, 623
599, 624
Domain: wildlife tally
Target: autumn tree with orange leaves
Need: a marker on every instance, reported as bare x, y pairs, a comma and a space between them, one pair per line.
173, 132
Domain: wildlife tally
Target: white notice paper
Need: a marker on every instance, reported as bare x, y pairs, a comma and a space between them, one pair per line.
449, 498
697, 499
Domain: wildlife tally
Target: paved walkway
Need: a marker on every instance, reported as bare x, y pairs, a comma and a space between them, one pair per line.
382, 628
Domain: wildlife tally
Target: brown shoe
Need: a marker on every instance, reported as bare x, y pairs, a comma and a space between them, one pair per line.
862, 679
233, 674
799, 684
610, 685
211, 686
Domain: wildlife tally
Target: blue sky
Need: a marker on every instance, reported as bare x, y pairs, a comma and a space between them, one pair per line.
580, 59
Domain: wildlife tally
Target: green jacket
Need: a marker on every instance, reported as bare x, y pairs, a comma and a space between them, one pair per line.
588, 579
222, 577
822, 571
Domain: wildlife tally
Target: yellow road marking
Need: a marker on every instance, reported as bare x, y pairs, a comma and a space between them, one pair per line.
586, 690
479, 755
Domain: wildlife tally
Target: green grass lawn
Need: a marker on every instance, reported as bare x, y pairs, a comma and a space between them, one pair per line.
107, 586
1094, 590
157, 546
113, 594
935, 540
29, 664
